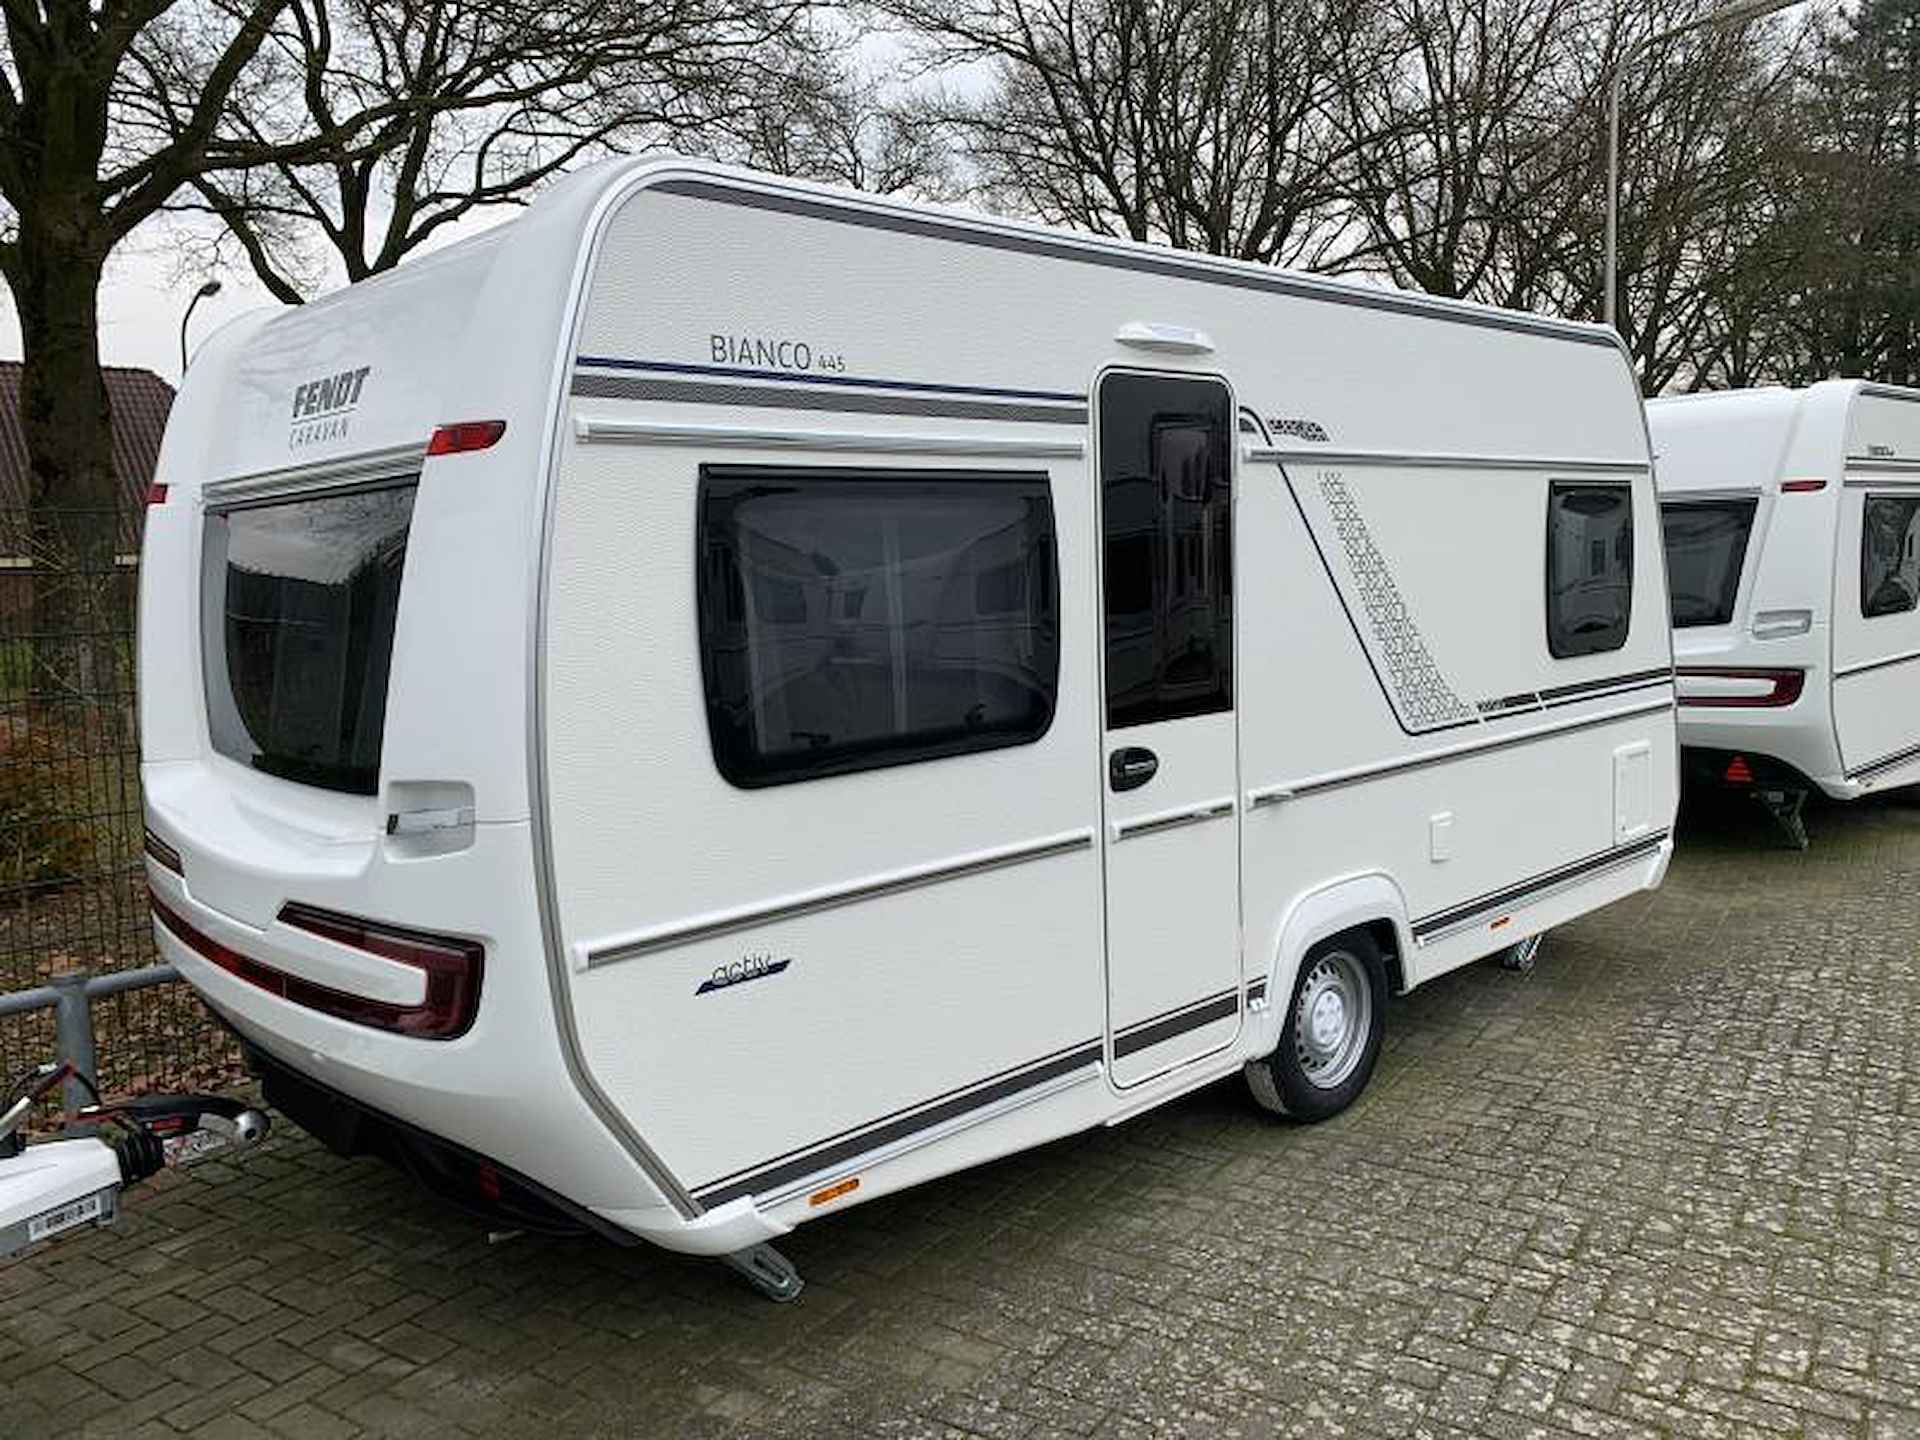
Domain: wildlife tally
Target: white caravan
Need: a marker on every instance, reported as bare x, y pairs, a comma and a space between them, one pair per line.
722, 698
1791, 518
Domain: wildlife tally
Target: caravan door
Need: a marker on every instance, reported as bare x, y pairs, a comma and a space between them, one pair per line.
1171, 831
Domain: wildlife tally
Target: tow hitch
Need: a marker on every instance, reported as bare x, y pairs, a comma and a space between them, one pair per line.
53, 1186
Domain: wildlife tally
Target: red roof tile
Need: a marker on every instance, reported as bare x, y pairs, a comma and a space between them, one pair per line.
140, 401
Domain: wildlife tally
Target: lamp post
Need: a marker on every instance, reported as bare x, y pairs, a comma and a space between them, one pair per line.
210, 287
1736, 12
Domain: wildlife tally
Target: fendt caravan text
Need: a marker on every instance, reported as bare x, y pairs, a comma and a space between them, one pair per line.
1791, 518
748, 696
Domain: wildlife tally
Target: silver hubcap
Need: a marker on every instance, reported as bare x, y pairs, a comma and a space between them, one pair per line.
1331, 1022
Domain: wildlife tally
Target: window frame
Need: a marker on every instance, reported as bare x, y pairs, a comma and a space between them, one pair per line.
1555, 646
896, 754
1866, 502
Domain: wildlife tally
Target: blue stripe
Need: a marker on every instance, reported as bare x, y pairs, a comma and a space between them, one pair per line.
809, 378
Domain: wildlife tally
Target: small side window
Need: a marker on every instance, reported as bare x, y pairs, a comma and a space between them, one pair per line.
1889, 569
1589, 568
1706, 548
851, 619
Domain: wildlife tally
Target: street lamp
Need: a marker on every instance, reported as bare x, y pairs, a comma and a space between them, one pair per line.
1736, 12
210, 287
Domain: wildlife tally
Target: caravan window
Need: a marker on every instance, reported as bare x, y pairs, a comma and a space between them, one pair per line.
298, 602
1706, 547
1167, 513
855, 618
1889, 570
1589, 568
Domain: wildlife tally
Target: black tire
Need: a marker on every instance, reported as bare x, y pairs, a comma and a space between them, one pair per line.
1292, 1081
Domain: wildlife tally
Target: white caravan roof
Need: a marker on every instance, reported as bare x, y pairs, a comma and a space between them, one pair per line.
483, 330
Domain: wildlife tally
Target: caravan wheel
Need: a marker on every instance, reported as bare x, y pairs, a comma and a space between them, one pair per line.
1331, 1036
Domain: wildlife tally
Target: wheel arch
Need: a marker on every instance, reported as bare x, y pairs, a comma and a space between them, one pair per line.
1369, 902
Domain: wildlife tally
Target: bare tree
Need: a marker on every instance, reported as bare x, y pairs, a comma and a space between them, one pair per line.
481, 102
1462, 152
81, 165
1205, 124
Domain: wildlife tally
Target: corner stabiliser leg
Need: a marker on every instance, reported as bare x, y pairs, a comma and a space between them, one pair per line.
768, 1271
1785, 808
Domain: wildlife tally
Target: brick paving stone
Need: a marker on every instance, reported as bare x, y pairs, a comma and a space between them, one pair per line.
1666, 1186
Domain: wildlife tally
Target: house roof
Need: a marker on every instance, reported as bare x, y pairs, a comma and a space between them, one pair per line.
140, 401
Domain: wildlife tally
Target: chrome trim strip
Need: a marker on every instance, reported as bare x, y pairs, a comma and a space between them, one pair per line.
798, 394
1172, 819
1280, 454
1452, 921
707, 927
594, 429
358, 472
862, 1140
1116, 255
1865, 665
1353, 775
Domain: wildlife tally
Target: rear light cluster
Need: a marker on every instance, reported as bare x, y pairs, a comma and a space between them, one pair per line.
452, 969
1801, 487
1769, 689
465, 435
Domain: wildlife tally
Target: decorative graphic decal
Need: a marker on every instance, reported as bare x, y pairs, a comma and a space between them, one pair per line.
1426, 699
1300, 429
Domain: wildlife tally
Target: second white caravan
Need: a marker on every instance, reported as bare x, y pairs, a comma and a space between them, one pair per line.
723, 698
1791, 519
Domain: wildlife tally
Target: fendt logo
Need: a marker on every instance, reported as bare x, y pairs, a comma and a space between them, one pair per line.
321, 407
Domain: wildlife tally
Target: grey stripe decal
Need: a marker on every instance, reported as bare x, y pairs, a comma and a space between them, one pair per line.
853, 894
1609, 684
1886, 762
1547, 880
1163, 1028
796, 397
797, 1164
1142, 262
1865, 666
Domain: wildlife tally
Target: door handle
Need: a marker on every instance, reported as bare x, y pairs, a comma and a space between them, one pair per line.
1131, 766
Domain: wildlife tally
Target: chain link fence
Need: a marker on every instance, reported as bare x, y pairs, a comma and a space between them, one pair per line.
73, 892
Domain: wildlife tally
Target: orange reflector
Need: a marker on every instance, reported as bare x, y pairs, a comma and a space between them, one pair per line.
1738, 771
1498, 923
834, 1191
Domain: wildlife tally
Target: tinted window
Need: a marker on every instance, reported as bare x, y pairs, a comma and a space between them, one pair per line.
851, 619
1589, 568
299, 600
1168, 516
1706, 546
1889, 571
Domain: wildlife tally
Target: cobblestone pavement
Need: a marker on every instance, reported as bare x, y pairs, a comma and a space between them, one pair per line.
1664, 1185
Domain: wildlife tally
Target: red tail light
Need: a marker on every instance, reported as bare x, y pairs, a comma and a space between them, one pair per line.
1801, 487
452, 968
1768, 689
162, 853
1738, 771
465, 435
